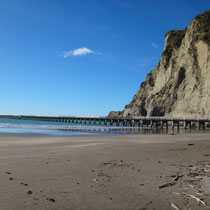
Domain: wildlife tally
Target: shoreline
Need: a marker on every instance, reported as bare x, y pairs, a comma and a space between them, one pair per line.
100, 131
105, 171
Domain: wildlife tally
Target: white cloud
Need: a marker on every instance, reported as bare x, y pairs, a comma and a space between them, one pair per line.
154, 45
77, 52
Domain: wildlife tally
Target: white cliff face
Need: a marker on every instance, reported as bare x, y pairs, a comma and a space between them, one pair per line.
180, 83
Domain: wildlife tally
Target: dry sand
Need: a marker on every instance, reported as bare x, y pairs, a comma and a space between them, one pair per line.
105, 172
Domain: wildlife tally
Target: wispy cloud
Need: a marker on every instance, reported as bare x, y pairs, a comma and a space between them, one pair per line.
77, 52
145, 61
154, 45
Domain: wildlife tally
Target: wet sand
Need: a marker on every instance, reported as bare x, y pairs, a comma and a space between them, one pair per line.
105, 172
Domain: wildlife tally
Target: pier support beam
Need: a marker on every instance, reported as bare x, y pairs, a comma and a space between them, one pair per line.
172, 125
117, 122
190, 125
161, 124
204, 125
166, 125
185, 124
124, 122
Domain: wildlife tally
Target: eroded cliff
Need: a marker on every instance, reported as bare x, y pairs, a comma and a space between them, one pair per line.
179, 85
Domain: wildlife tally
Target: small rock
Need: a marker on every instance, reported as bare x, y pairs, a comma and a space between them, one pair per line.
7, 172
51, 199
11, 178
29, 192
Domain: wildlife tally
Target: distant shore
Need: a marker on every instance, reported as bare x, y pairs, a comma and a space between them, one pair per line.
105, 172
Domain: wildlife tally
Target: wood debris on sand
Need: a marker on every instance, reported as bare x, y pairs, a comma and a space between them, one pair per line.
190, 196
175, 206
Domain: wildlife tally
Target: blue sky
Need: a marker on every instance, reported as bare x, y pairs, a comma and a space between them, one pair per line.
82, 57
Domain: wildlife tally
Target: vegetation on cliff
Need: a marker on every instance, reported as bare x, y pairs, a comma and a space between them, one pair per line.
204, 20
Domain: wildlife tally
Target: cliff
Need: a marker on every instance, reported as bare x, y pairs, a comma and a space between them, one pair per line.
179, 85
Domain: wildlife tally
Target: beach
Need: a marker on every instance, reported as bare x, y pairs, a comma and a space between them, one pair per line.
126, 172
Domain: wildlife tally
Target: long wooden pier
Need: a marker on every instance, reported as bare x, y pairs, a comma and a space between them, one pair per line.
157, 122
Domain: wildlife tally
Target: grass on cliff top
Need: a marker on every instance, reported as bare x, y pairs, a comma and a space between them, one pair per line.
204, 20
175, 38
204, 16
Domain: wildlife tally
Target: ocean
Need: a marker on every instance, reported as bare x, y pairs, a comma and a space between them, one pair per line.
32, 127
16, 126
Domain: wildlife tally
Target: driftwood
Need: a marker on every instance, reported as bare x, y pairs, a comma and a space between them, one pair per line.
175, 206
191, 196
167, 185
178, 176
179, 194
197, 199
190, 185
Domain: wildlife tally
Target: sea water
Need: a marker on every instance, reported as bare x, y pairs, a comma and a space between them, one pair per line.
18, 126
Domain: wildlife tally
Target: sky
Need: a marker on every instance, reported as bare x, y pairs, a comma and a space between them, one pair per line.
82, 57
